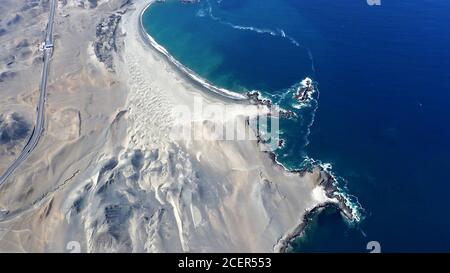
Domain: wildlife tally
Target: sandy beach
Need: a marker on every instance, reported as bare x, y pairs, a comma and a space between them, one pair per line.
118, 168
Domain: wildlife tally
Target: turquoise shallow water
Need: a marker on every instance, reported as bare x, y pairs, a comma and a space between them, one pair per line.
382, 113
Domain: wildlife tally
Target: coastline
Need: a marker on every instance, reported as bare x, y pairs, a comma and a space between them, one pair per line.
337, 197
190, 75
109, 176
120, 182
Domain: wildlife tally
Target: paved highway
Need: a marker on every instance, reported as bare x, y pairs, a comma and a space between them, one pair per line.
40, 119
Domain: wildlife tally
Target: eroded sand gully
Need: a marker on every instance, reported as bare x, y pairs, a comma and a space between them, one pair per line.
123, 183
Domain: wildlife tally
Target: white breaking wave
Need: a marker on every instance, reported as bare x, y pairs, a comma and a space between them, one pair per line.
276, 33
221, 91
208, 11
311, 58
315, 105
350, 200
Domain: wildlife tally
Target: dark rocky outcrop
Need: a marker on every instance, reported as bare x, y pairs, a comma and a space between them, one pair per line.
30, 4
7, 75
92, 3
22, 44
105, 43
255, 97
13, 127
14, 20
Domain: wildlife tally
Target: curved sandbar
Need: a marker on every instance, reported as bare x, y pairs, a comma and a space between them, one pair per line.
188, 72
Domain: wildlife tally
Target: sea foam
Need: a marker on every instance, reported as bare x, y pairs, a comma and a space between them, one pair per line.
276, 33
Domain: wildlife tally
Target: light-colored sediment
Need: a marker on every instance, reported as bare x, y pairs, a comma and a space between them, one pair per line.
110, 174
20, 66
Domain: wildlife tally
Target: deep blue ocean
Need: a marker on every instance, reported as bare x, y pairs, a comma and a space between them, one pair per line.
381, 117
